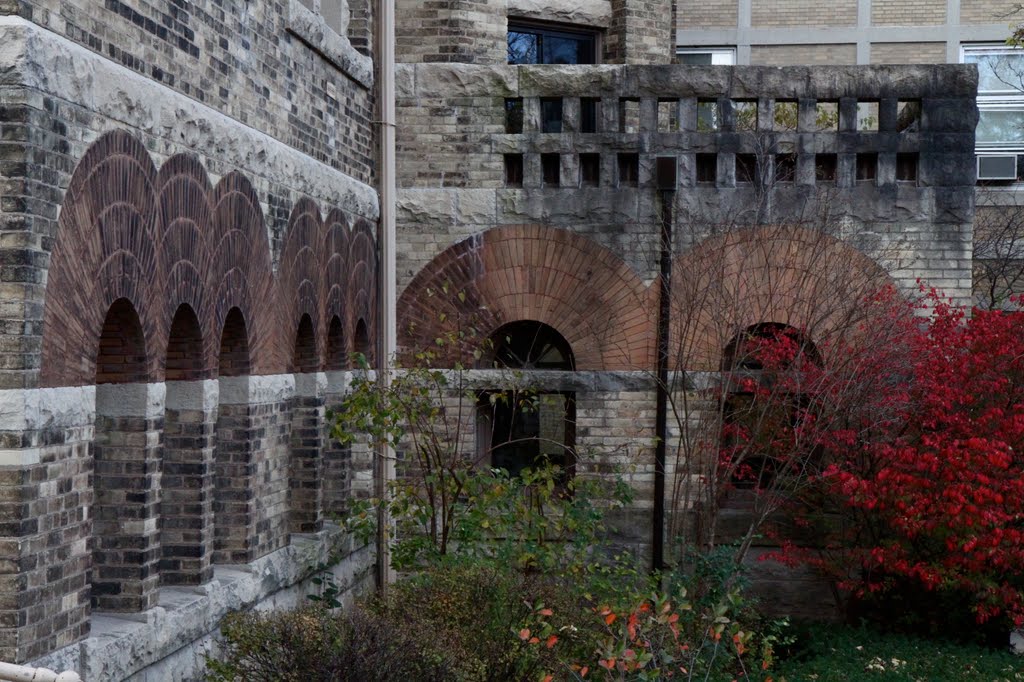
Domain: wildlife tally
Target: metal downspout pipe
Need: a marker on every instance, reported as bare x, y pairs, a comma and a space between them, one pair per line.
385, 460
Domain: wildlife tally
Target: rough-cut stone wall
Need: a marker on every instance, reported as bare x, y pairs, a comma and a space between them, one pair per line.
573, 241
467, 31
641, 32
452, 190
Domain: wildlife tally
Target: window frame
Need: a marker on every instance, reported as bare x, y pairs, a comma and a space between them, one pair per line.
725, 54
555, 30
1010, 99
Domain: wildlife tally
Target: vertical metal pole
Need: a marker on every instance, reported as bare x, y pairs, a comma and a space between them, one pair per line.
666, 181
385, 469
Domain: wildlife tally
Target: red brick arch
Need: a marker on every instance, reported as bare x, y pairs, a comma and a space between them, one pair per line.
532, 272
160, 240
801, 277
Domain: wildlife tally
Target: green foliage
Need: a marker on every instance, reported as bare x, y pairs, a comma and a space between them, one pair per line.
315, 644
839, 654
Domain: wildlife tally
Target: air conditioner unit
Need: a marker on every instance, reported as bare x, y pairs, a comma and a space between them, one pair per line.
1002, 167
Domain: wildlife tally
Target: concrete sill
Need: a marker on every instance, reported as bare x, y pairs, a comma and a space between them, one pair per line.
309, 27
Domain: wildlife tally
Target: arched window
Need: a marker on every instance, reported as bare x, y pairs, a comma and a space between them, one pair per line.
524, 428
765, 401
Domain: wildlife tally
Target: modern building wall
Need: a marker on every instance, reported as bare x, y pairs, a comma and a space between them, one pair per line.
866, 31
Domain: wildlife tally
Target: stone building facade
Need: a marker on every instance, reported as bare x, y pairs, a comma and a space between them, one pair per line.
188, 215
537, 193
188, 259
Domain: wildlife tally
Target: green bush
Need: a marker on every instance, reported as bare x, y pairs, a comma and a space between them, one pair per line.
315, 644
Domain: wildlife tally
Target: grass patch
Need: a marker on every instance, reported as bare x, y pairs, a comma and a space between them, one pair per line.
837, 653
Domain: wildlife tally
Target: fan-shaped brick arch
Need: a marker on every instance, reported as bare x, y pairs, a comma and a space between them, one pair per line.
183, 219
800, 277
165, 239
362, 286
531, 272
300, 278
334, 253
240, 272
104, 251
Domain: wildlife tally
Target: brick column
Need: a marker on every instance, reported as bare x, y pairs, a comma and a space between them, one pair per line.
126, 540
186, 506
234, 502
44, 519
337, 459
307, 446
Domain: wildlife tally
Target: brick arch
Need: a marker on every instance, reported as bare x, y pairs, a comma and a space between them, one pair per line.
164, 239
104, 251
334, 254
799, 277
300, 278
361, 292
240, 273
183, 219
532, 272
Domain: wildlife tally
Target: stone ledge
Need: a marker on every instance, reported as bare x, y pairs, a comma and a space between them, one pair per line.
122, 645
334, 47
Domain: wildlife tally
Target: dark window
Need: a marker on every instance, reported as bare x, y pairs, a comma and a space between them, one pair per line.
590, 170
551, 169
867, 167
906, 167
707, 168
529, 44
551, 114
825, 167
629, 169
588, 114
785, 167
746, 168
514, 115
513, 170
755, 417
526, 428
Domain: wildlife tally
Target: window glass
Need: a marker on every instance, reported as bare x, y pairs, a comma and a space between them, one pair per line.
539, 45
527, 428
707, 56
1000, 96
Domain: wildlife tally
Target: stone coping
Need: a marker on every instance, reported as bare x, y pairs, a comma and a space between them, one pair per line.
121, 645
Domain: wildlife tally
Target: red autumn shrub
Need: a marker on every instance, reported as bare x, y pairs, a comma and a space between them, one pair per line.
929, 467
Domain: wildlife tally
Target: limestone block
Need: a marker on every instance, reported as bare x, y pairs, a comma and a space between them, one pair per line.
456, 80
425, 205
475, 206
582, 13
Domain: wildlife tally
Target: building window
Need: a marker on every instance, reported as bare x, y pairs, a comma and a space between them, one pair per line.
525, 429
1000, 96
538, 44
706, 56
766, 403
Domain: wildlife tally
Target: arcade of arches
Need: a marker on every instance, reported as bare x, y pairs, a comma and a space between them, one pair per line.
195, 358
